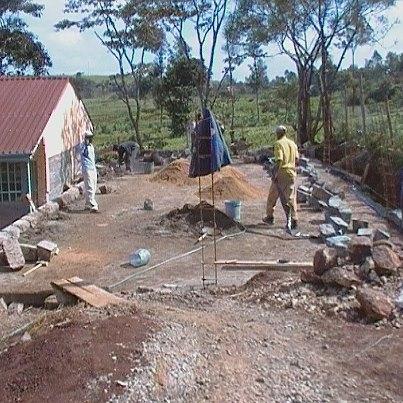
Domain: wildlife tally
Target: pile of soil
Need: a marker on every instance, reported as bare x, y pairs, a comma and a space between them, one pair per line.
65, 360
176, 173
189, 217
230, 187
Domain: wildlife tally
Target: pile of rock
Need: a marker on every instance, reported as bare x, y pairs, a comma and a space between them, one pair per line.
365, 267
305, 168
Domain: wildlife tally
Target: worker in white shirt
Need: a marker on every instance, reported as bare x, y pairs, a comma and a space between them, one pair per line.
89, 172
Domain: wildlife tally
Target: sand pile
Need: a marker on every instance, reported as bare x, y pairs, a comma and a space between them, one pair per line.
176, 172
230, 187
232, 172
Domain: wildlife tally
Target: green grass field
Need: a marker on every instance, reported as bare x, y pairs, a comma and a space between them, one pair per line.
112, 123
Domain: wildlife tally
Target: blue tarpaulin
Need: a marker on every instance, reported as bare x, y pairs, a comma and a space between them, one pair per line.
209, 150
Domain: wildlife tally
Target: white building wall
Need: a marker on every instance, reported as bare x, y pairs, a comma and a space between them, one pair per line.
62, 136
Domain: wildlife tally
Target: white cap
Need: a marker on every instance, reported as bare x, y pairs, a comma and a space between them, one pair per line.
281, 130
88, 133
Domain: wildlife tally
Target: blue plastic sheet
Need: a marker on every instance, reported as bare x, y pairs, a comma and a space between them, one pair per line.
209, 150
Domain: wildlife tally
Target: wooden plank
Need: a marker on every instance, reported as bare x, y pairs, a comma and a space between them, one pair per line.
89, 293
262, 265
92, 288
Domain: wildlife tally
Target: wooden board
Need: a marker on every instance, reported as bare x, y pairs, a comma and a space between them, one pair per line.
262, 265
87, 292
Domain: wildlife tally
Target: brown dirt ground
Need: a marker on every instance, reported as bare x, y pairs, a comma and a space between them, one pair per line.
67, 356
96, 247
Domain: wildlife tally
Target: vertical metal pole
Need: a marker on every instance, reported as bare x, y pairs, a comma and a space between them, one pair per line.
202, 239
215, 228
29, 184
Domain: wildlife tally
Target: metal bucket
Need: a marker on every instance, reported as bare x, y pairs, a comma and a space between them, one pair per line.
233, 209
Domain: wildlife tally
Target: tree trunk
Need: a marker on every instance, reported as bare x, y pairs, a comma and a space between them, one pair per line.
326, 106
257, 105
346, 111
303, 107
362, 103
388, 116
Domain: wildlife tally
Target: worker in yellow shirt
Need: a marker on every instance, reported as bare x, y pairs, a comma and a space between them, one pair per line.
283, 179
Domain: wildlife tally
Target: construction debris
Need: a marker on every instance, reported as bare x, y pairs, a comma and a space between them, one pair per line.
46, 250
361, 264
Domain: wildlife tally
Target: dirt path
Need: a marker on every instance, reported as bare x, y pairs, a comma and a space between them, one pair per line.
218, 350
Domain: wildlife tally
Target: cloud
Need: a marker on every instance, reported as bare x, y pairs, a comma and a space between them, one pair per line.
70, 37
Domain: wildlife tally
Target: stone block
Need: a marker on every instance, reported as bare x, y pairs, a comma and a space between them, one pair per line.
51, 302
387, 262
339, 225
341, 276
374, 304
148, 205
49, 209
303, 162
68, 197
34, 218
22, 224
323, 260
314, 203
308, 276
105, 189
326, 231
321, 193
335, 202
365, 232
30, 252
338, 242
359, 249
46, 250
302, 197
345, 214
359, 224
13, 231
3, 305
15, 308
379, 235
11, 253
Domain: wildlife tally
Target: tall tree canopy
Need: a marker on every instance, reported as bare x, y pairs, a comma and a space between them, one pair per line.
20, 50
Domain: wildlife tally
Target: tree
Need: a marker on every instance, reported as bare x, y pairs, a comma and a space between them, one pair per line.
309, 30
286, 90
206, 19
286, 23
341, 24
20, 50
128, 30
258, 77
177, 90
234, 58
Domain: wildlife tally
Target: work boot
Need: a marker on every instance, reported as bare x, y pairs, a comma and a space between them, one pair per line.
294, 223
268, 220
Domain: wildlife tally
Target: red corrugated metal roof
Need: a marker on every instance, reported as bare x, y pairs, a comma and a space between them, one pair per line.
26, 104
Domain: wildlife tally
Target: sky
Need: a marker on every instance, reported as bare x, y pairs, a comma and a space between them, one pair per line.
72, 51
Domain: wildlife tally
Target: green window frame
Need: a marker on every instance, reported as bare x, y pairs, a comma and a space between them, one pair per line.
10, 182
